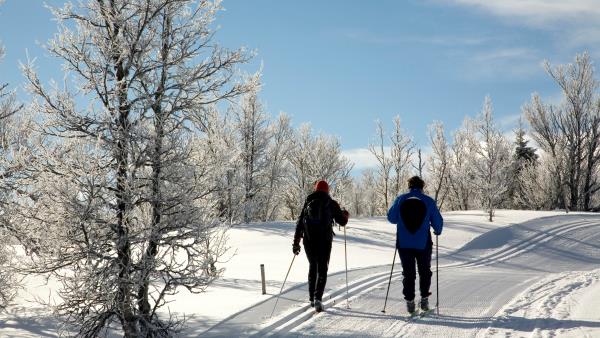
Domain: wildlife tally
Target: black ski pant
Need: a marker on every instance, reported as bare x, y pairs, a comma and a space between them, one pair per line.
318, 254
422, 258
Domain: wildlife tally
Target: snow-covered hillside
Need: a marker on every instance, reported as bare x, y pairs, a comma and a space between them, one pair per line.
527, 273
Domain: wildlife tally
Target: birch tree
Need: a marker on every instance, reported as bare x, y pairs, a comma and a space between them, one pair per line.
460, 175
534, 183
278, 156
12, 138
438, 165
313, 158
369, 193
384, 167
580, 126
252, 129
117, 188
217, 150
544, 121
401, 153
493, 160
570, 132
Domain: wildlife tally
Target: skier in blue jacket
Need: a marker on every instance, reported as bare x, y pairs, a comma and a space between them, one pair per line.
413, 213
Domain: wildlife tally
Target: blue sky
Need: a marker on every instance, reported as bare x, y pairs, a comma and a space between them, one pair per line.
340, 65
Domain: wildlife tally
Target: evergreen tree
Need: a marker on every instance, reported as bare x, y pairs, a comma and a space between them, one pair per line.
523, 152
524, 156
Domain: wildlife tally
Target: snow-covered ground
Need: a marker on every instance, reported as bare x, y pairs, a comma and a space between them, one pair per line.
528, 273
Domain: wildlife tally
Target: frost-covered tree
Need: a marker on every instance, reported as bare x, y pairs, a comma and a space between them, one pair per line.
369, 193
278, 153
354, 198
580, 127
534, 183
313, 158
438, 165
544, 122
492, 165
523, 156
460, 174
419, 164
570, 132
252, 137
117, 213
402, 149
14, 152
384, 168
218, 152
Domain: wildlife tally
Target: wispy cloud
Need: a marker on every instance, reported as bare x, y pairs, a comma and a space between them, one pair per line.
505, 54
498, 63
557, 98
579, 20
538, 12
440, 40
509, 122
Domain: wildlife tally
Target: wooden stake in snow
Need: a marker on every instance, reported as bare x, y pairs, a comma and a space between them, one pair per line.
262, 278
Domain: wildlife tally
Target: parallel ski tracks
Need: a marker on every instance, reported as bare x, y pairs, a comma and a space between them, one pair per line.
524, 246
338, 296
364, 285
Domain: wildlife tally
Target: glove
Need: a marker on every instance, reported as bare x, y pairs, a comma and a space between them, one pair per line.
296, 248
346, 215
436, 233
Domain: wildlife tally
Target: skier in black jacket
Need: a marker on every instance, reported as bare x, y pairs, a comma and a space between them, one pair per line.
315, 227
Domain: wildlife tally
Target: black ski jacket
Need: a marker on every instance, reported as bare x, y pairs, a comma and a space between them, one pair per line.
336, 213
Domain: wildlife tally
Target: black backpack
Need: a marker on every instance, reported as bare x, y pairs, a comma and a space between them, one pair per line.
317, 218
413, 212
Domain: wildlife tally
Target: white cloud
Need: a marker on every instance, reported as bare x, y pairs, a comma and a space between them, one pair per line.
442, 40
555, 99
361, 157
578, 20
538, 12
364, 159
514, 62
509, 121
505, 54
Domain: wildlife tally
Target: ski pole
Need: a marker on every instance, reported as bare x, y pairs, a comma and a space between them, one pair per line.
437, 276
346, 261
282, 285
389, 282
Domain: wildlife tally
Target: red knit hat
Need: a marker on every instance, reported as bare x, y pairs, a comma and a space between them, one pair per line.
322, 186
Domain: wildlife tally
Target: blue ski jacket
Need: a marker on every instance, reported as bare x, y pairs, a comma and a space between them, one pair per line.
413, 213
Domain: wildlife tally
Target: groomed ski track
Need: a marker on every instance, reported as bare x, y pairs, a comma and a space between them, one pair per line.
476, 283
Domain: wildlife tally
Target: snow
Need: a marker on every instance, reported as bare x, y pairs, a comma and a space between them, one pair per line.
528, 273
564, 305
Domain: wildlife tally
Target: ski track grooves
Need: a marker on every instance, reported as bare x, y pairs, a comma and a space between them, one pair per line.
301, 315
542, 300
364, 285
524, 246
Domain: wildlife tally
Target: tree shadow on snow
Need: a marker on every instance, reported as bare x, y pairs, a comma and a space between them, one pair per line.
509, 322
38, 323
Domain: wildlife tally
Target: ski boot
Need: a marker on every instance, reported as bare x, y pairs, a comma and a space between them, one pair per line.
410, 306
318, 306
425, 304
